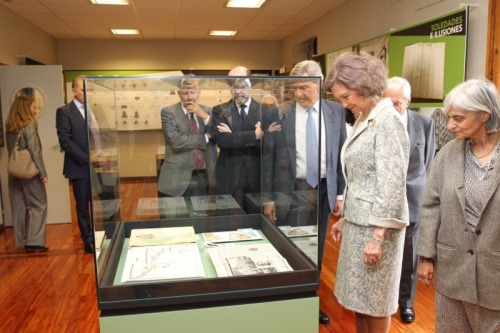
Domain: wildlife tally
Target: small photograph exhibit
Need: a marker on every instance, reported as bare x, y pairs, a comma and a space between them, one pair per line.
168, 206
279, 199
164, 262
247, 260
161, 236
213, 202
300, 231
238, 235
99, 237
209, 205
308, 246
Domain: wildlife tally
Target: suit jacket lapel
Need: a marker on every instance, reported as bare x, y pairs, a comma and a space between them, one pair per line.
329, 118
182, 118
459, 174
79, 119
494, 184
226, 113
235, 116
414, 129
253, 112
289, 133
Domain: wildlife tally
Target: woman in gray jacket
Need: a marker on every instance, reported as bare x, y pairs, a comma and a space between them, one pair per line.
28, 197
460, 223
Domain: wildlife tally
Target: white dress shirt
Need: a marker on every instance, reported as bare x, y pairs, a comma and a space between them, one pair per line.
300, 139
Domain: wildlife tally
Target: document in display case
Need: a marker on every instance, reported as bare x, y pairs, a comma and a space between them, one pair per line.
247, 260
299, 231
161, 236
209, 205
155, 207
239, 235
163, 262
191, 234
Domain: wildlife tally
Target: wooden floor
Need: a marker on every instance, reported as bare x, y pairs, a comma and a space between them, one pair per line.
56, 292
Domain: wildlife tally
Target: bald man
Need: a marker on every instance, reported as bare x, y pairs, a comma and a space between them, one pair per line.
238, 133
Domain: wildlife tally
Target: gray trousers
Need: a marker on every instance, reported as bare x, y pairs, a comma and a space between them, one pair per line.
408, 282
453, 316
28, 201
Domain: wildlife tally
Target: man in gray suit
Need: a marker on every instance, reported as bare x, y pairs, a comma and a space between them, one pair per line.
422, 148
286, 158
188, 169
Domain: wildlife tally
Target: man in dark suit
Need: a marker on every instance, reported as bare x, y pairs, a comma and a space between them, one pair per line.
73, 135
188, 169
422, 148
286, 156
237, 132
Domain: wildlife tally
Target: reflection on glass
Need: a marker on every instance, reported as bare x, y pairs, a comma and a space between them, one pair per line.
177, 152
37, 95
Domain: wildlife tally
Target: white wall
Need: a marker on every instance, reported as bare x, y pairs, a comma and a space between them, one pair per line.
359, 20
47, 79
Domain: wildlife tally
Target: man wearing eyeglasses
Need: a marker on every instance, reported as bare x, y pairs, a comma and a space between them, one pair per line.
238, 133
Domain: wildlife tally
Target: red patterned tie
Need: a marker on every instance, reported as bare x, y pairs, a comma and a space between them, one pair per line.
198, 160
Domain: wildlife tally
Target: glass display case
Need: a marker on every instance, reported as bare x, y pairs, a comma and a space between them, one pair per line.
198, 211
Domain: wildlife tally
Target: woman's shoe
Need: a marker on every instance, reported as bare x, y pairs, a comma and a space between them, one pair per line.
36, 248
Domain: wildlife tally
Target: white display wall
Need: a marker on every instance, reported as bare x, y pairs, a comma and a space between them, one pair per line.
48, 81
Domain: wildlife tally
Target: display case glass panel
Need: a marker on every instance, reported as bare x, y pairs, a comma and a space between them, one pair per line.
189, 211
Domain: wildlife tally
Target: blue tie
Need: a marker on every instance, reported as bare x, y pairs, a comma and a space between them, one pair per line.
311, 149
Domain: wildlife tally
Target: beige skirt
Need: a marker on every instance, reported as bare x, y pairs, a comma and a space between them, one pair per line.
369, 289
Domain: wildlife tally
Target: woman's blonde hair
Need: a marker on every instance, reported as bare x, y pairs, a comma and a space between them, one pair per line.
20, 114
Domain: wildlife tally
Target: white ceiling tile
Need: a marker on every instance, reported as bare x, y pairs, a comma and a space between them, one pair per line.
170, 19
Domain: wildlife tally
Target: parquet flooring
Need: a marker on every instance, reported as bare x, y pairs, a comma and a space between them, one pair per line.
56, 291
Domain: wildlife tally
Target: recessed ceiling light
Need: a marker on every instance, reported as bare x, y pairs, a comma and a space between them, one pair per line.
245, 3
222, 33
125, 31
109, 2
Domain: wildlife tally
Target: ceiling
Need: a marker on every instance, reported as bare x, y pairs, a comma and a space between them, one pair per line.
170, 19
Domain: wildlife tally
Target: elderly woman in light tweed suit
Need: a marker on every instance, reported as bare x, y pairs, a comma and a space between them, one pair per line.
460, 224
375, 163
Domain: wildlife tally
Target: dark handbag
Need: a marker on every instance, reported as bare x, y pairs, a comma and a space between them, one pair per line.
21, 164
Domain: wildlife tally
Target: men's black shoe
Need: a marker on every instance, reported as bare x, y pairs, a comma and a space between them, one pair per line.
88, 247
35, 248
407, 315
323, 318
